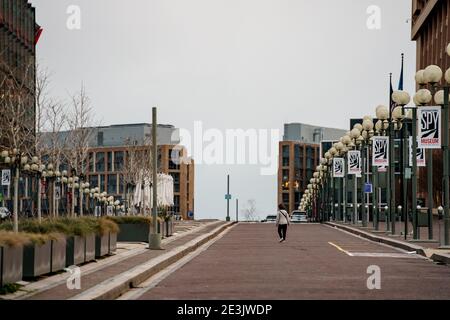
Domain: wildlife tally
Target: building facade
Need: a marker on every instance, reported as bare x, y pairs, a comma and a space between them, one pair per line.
110, 152
431, 32
18, 36
299, 155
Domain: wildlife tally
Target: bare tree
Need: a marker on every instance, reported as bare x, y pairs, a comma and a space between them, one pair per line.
80, 122
17, 127
250, 211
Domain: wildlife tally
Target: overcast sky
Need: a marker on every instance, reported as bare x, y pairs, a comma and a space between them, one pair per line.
230, 64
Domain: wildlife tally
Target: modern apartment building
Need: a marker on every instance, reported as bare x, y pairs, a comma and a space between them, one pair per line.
109, 151
299, 155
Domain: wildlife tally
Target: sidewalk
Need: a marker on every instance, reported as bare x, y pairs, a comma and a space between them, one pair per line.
131, 264
423, 246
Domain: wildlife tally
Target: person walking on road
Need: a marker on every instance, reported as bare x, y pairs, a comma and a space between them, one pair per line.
282, 222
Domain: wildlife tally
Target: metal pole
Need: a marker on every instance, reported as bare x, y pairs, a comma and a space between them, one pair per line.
414, 174
155, 236
430, 192
355, 198
404, 180
375, 196
228, 197
16, 198
392, 206
345, 190
446, 169
339, 200
362, 184
237, 210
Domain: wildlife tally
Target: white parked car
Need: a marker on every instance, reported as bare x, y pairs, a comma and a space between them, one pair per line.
270, 219
299, 217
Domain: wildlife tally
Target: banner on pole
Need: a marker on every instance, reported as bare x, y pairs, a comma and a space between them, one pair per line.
338, 168
429, 127
380, 154
354, 162
6, 177
421, 162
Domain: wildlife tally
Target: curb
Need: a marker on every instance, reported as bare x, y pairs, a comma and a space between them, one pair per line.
142, 272
392, 242
441, 258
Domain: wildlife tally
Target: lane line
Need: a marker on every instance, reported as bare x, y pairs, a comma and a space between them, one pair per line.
340, 249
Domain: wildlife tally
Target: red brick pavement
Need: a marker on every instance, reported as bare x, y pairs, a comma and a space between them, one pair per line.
249, 263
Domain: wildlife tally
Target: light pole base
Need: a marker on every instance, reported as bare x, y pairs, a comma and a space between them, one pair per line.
155, 241
228, 219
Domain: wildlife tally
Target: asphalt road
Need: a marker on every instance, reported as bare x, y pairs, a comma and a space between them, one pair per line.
316, 262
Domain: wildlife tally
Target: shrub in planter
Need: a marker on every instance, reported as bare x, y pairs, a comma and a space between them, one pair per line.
133, 228
11, 257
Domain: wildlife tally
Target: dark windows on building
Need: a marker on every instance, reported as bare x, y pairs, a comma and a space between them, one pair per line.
174, 159
285, 179
285, 156
110, 162
100, 138
176, 181
100, 162
118, 161
112, 184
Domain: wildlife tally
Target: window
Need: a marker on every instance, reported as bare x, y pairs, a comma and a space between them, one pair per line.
93, 181
100, 139
100, 162
176, 205
174, 158
91, 162
118, 161
285, 153
121, 185
298, 157
285, 179
176, 182
112, 184
286, 199
102, 183
110, 166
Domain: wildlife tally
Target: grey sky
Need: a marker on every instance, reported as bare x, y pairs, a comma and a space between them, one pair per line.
231, 64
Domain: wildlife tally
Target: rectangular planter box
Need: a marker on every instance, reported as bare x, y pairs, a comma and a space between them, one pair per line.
101, 245
163, 229
134, 232
11, 264
75, 250
36, 260
58, 255
112, 242
90, 248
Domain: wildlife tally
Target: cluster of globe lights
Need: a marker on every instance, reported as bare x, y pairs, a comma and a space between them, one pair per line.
35, 166
431, 75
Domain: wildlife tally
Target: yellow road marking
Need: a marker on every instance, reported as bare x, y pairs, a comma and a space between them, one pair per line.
340, 249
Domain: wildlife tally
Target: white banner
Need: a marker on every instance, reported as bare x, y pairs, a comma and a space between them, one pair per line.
380, 154
338, 168
354, 162
6, 177
429, 127
421, 162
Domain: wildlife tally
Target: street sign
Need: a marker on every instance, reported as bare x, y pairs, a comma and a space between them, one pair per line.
6, 177
429, 127
368, 188
228, 197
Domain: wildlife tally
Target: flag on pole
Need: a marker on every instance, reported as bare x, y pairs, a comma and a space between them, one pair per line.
400, 82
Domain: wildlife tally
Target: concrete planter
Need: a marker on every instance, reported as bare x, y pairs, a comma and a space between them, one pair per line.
11, 264
90, 248
58, 255
162, 229
112, 243
134, 232
101, 245
169, 228
36, 260
75, 250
